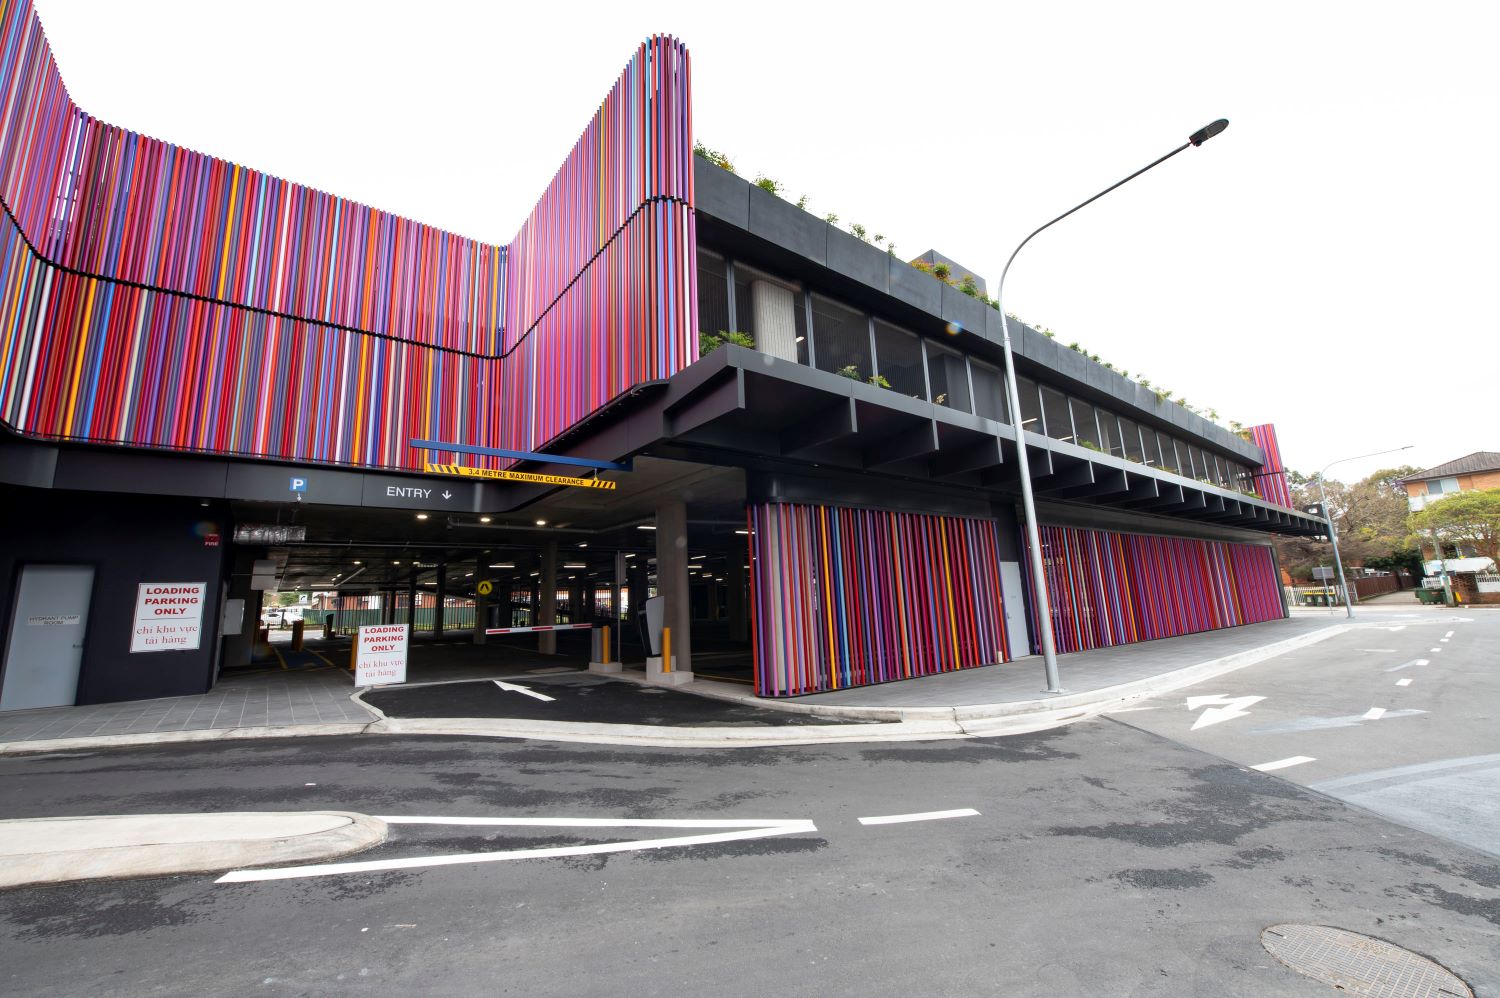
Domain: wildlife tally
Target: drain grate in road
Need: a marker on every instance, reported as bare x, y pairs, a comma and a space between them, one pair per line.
1360, 965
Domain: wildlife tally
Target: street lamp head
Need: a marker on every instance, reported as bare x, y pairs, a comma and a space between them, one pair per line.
1208, 131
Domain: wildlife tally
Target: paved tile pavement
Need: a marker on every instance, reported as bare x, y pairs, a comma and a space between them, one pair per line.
315, 696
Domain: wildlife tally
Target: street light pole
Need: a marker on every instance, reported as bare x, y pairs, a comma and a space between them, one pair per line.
1013, 395
1333, 534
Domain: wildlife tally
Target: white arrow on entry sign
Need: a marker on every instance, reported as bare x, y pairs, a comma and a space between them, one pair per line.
1220, 708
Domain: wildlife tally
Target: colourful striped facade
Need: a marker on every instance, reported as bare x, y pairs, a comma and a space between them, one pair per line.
1270, 477
847, 597
1109, 588
153, 296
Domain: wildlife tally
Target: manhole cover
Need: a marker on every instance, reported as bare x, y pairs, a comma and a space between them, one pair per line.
1360, 965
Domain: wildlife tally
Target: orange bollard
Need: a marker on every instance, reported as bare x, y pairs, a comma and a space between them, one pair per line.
666, 649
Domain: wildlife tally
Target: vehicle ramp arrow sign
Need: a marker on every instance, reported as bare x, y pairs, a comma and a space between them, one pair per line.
1220, 708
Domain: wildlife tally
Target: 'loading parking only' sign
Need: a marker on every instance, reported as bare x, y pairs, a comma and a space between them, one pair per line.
380, 655
168, 616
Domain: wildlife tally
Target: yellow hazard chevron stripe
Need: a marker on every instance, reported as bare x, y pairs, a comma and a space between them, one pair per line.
463, 471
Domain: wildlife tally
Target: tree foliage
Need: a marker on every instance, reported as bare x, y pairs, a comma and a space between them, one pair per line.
1370, 516
1469, 518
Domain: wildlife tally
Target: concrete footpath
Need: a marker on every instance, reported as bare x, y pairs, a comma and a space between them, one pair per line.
987, 701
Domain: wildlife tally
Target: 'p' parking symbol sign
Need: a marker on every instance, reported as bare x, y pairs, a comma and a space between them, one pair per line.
299, 485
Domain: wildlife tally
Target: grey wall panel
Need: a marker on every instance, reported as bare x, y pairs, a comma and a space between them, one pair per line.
788, 226
859, 260
721, 194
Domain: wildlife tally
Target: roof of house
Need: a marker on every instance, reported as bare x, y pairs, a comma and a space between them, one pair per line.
1480, 460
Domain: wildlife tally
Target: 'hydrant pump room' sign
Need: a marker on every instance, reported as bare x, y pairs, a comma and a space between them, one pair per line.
380, 655
168, 616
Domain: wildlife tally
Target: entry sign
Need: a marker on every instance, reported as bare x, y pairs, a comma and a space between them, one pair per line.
168, 616
380, 655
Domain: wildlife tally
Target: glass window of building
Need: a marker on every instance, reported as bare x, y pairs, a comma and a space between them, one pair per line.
1056, 415
1168, 450
950, 379
1130, 440
1442, 486
989, 392
1085, 424
713, 293
1109, 431
898, 359
841, 339
1030, 402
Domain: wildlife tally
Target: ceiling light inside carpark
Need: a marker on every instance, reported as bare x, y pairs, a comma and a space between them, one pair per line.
541, 523
630, 554
484, 519
358, 562
468, 575
504, 564
743, 533
421, 516
583, 544
395, 563
646, 526
574, 564
535, 574
697, 556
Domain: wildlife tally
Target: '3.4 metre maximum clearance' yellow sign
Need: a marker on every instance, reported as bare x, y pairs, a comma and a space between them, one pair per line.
519, 476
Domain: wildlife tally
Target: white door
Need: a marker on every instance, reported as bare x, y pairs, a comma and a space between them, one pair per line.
46, 637
1016, 631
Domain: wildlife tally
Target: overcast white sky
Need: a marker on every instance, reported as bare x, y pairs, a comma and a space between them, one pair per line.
1328, 264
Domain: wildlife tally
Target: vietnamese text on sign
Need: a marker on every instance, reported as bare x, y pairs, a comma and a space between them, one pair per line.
380, 655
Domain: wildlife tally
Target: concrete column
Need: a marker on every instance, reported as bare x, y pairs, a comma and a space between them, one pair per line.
547, 603
481, 602
775, 311
739, 629
672, 586
440, 597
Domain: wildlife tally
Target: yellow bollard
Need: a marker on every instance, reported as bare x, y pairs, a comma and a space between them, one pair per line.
606, 657
666, 649
297, 627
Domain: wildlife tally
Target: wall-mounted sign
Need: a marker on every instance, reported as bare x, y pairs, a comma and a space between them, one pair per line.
210, 540
55, 620
485, 587
463, 471
380, 655
168, 616
298, 485
268, 533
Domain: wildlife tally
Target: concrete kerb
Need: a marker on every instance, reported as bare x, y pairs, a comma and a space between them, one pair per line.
899, 723
36, 851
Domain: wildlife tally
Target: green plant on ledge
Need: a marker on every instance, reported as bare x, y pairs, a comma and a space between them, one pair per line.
878, 381
709, 342
768, 185
713, 156
849, 371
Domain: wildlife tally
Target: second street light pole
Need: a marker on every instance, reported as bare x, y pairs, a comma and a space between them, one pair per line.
1012, 395
1333, 534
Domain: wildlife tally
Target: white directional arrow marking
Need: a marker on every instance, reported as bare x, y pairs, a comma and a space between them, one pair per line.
1398, 627
517, 688
1403, 665
1228, 708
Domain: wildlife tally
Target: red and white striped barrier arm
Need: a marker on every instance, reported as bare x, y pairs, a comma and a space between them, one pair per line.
543, 627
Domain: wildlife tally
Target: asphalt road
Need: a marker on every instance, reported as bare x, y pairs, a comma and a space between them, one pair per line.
1400, 715
1102, 860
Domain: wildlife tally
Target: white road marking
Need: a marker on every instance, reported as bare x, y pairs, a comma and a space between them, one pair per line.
1377, 649
518, 688
894, 819
1228, 709
747, 829
1435, 649
1404, 682
1398, 627
1296, 760
1447, 636
1374, 714
1415, 661
1442, 640
1321, 723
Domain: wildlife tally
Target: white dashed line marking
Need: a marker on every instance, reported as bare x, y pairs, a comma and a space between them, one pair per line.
1435, 649
1374, 713
1447, 636
1403, 682
895, 819
1296, 760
